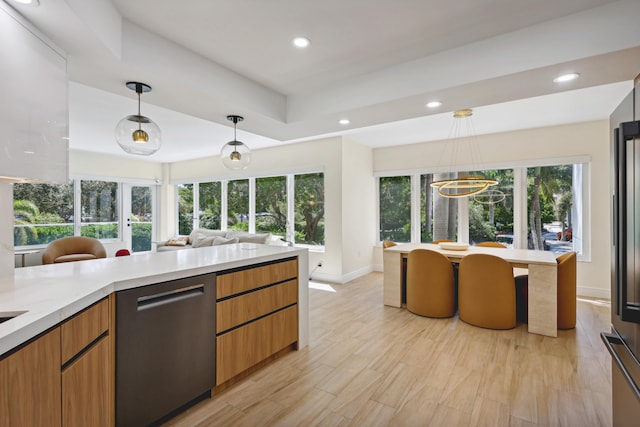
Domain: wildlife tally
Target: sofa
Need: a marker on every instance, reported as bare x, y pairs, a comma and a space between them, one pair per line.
202, 237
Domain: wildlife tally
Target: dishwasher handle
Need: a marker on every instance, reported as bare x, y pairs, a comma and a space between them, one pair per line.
163, 298
609, 340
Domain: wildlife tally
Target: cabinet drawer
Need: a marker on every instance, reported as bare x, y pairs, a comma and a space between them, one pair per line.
240, 349
86, 384
241, 309
83, 328
252, 278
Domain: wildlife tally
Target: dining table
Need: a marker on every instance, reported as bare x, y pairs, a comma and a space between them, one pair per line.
542, 269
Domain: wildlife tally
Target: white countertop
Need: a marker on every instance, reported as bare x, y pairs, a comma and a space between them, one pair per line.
49, 294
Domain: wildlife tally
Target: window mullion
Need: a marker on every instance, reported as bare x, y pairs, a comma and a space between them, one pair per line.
77, 207
252, 205
224, 204
415, 208
196, 205
291, 215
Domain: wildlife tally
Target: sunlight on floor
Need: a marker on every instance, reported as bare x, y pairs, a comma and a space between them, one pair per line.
321, 286
600, 302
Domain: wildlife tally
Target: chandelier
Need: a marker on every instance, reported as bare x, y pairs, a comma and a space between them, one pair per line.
462, 186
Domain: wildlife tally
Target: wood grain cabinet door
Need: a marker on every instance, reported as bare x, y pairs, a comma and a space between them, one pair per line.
87, 393
86, 388
30, 384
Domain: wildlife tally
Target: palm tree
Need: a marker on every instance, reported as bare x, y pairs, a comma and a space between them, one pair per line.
546, 181
25, 212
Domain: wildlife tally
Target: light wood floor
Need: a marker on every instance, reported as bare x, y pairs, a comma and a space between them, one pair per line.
370, 365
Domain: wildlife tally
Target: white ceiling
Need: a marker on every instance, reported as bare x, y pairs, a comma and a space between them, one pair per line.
376, 62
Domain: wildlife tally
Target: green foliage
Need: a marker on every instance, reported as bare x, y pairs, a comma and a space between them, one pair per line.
99, 201
395, 208
210, 220
271, 205
210, 195
100, 231
141, 237
237, 203
480, 230
185, 209
309, 208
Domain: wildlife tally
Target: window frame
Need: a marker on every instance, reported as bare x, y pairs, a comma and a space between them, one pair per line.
77, 208
290, 187
520, 211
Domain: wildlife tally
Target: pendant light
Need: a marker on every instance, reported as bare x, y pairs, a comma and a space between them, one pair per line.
137, 134
235, 154
463, 186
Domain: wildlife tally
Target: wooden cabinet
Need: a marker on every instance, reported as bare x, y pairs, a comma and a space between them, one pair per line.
63, 377
30, 383
87, 393
256, 316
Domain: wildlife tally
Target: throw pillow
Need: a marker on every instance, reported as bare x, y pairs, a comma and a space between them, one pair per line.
224, 241
178, 241
202, 241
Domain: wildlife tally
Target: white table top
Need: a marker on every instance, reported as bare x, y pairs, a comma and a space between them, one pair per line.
51, 293
521, 256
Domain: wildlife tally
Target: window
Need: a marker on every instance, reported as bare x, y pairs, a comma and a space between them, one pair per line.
185, 209
141, 218
395, 208
438, 215
210, 197
288, 206
99, 209
552, 210
42, 213
491, 212
238, 205
553, 196
309, 209
271, 205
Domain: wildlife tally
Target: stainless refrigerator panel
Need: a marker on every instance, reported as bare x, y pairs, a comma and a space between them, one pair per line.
625, 377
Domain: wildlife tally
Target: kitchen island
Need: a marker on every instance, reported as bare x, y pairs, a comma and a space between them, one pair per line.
73, 306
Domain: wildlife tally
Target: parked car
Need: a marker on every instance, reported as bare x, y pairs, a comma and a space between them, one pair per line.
505, 239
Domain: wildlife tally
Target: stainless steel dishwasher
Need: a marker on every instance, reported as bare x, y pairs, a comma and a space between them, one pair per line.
165, 348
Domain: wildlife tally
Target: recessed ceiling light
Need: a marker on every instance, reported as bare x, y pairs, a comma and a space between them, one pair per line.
301, 42
28, 2
433, 104
344, 121
566, 78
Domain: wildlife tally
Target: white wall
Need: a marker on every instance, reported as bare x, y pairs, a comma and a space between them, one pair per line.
348, 190
582, 139
84, 163
358, 209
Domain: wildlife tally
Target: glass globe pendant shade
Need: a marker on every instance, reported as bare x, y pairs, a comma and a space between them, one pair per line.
235, 155
139, 135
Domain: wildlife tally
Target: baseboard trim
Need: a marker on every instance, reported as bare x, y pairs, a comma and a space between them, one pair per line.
593, 292
334, 278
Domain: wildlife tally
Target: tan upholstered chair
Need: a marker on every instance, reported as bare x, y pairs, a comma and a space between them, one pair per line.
566, 292
388, 244
486, 292
74, 248
491, 245
435, 242
430, 286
